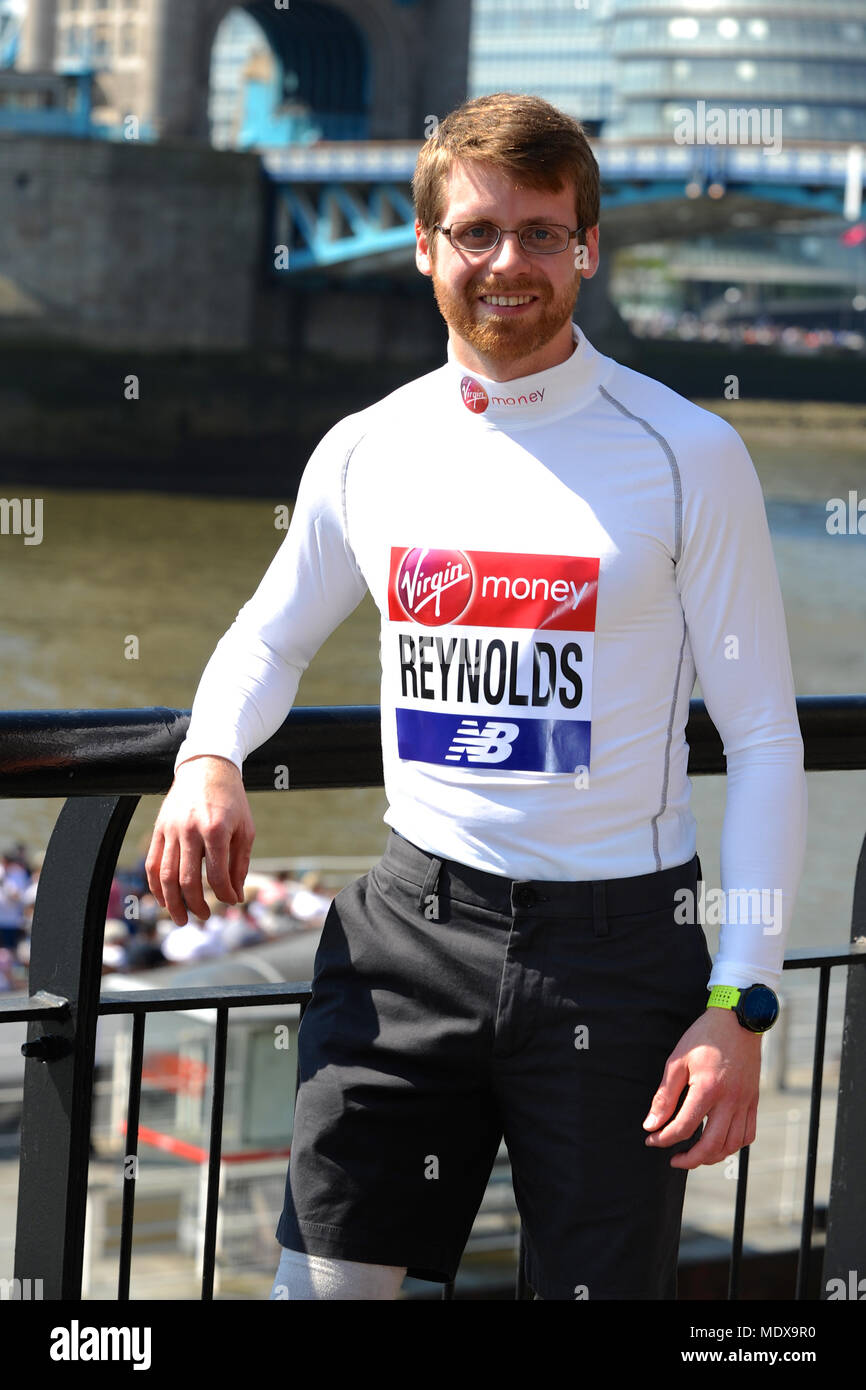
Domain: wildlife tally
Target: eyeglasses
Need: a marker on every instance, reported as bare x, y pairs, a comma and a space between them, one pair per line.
538, 238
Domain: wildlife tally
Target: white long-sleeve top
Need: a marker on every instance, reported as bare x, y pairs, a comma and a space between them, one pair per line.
555, 559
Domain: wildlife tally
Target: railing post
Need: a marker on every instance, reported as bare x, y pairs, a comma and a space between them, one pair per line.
66, 959
845, 1251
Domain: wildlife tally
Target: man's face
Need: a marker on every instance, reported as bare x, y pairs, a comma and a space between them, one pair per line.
493, 338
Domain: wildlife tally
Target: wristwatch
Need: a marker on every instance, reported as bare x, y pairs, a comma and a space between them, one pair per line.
757, 1007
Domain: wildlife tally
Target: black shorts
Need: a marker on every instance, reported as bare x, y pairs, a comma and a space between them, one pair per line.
451, 1007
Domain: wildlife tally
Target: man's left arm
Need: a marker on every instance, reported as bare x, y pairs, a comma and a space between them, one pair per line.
729, 589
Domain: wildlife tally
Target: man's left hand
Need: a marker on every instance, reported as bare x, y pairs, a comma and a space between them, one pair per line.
720, 1062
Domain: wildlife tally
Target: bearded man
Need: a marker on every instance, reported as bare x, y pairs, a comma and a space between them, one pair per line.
558, 546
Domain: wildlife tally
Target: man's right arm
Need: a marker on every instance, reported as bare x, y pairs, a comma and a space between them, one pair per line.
248, 688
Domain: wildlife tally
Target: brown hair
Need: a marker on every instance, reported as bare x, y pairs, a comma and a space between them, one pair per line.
518, 134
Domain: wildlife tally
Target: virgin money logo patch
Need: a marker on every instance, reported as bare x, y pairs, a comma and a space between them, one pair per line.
482, 588
434, 586
475, 398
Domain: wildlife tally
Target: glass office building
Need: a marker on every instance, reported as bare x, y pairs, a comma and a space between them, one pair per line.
633, 64
557, 49
806, 57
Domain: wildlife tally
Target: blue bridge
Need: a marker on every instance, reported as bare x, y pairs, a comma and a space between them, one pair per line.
341, 202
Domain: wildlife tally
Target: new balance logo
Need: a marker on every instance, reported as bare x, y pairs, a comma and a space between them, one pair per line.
492, 744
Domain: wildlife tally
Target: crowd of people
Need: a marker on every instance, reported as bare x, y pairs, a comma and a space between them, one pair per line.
763, 332
140, 935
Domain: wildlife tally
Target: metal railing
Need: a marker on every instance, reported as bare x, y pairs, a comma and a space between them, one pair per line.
102, 762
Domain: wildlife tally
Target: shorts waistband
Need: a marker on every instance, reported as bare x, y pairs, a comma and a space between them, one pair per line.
581, 898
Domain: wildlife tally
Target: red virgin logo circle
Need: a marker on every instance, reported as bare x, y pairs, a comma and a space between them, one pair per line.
475, 398
434, 586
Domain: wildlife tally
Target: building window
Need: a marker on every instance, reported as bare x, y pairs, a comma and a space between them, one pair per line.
70, 41
101, 42
683, 28
128, 40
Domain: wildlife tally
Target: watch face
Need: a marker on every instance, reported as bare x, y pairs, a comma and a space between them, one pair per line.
760, 1008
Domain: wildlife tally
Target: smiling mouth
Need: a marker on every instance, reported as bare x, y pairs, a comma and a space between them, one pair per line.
507, 300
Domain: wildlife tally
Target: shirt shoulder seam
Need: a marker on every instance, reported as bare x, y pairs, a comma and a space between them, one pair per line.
671, 457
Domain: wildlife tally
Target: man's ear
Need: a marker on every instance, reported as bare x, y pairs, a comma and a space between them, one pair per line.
589, 254
423, 251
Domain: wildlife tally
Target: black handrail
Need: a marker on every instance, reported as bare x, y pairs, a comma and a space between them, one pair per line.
131, 752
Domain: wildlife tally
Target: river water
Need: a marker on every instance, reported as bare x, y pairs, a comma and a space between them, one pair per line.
172, 570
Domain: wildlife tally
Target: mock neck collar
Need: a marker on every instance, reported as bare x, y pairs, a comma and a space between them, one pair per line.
529, 400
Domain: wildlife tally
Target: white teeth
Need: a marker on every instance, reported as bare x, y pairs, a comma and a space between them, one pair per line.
507, 299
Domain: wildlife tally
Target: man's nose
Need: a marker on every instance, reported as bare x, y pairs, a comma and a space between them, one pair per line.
508, 253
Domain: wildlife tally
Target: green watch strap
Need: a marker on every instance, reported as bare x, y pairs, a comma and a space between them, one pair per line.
724, 997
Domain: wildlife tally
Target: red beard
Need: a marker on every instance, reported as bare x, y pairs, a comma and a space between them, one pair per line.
506, 339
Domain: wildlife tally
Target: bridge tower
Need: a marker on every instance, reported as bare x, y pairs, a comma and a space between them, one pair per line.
387, 63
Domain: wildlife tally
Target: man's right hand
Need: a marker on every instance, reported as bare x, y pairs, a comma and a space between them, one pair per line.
205, 816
